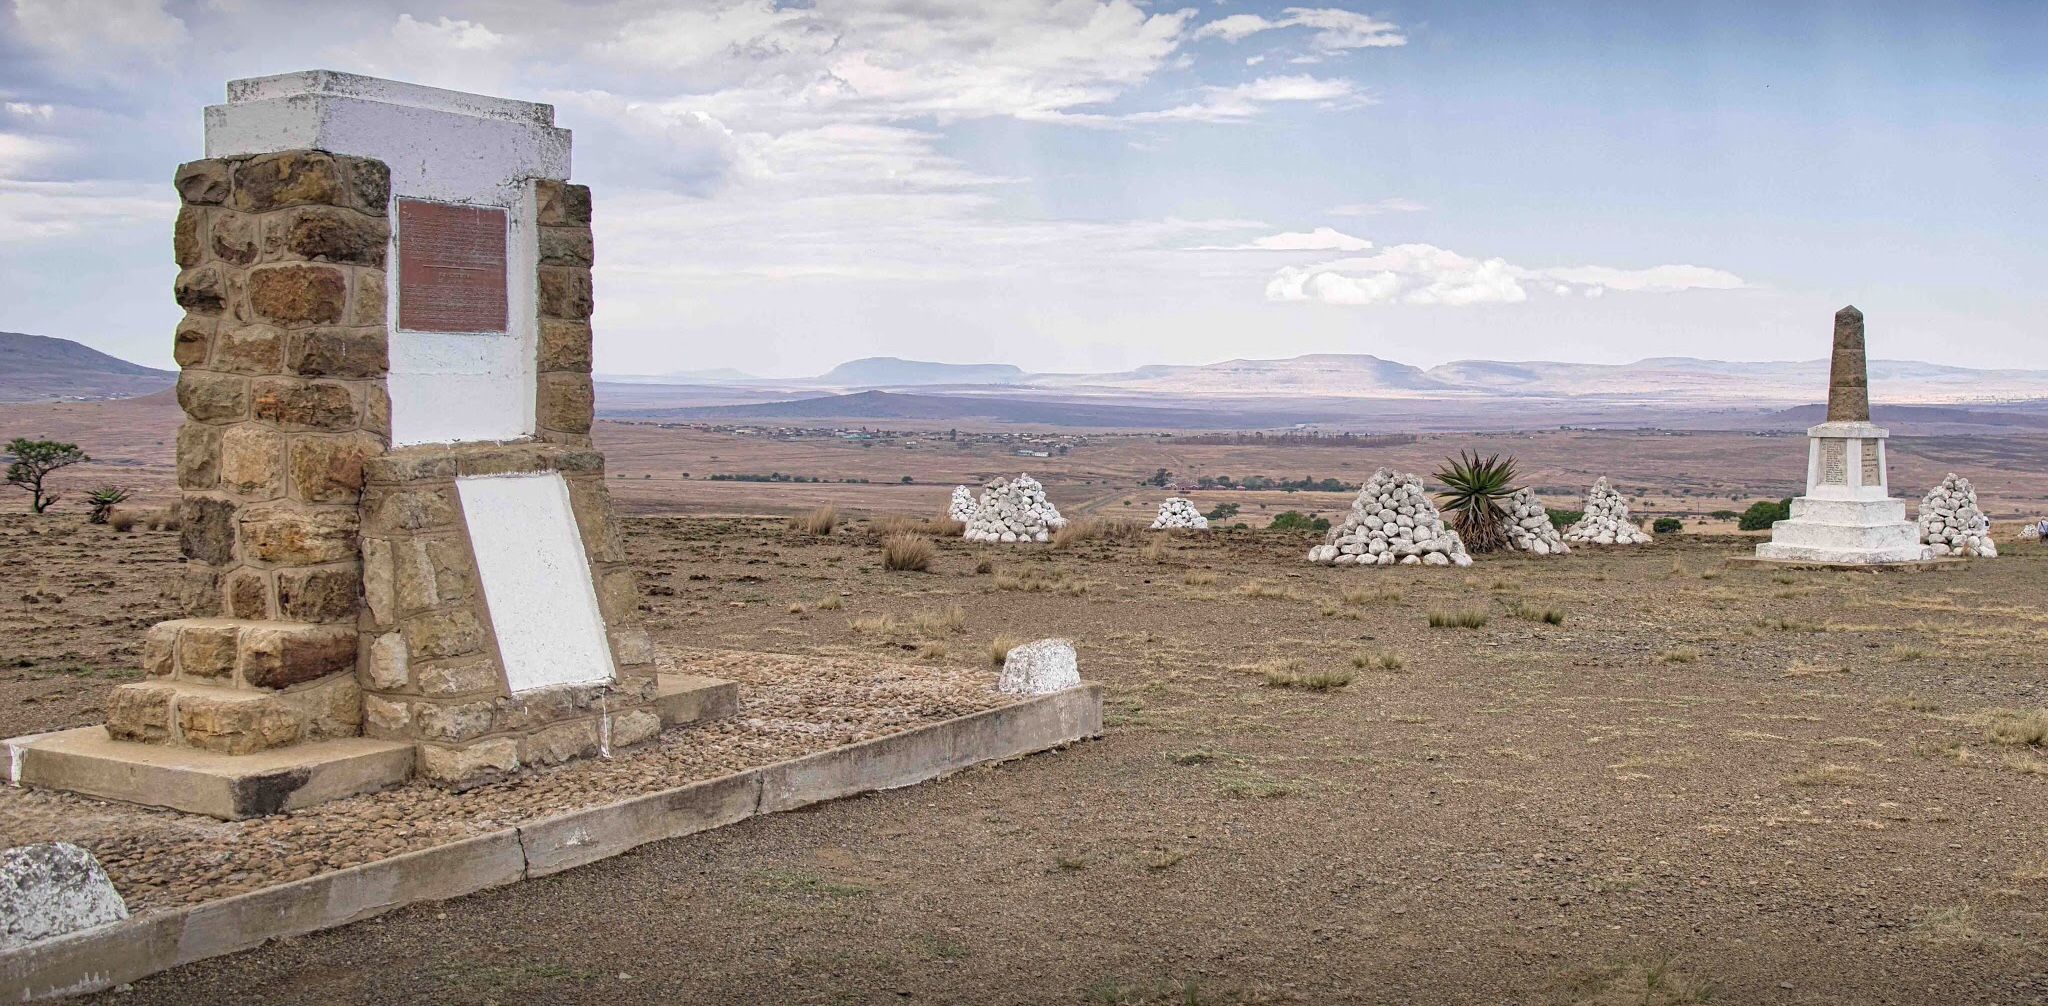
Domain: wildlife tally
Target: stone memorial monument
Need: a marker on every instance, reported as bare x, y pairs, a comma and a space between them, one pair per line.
401, 555
1847, 516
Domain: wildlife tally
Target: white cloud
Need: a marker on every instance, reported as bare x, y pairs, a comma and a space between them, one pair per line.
1331, 30
1320, 239
446, 33
1427, 274
98, 29
41, 210
1392, 204
1238, 103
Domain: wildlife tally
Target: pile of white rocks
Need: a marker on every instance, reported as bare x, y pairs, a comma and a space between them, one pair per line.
962, 507
1951, 523
1606, 521
1178, 513
1012, 510
2032, 532
1529, 526
1392, 521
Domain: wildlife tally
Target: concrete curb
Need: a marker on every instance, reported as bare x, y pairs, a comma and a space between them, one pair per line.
166, 938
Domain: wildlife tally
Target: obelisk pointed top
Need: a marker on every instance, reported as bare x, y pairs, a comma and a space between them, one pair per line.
1848, 377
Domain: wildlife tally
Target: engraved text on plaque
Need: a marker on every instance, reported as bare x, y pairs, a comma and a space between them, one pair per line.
451, 267
1873, 473
1834, 462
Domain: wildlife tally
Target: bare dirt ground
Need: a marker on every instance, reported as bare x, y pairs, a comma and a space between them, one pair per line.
1705, 784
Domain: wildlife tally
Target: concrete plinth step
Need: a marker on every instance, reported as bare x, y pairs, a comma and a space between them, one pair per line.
230, 787
681, 699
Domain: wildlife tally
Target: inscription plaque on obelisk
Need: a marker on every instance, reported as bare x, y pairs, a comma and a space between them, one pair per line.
451, 267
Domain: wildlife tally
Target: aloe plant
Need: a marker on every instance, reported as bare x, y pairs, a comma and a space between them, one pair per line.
1474, 491
103, 501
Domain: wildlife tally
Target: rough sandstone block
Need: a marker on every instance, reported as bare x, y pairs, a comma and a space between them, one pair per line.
632, 646
565, 293
369, 184
452, 722
366, 307
460, 677
377, 411
206, 529
287, 536
410, 509
560, 203
140, 712
618, 594
565, 402
564, 345
291, 178
351, 353
289, 294
236, 722
596, 519
443, 634
386, 664
233, 237
203, 183
281, 654
252, 461
470, 764
332, 708
212, 398
327, 234
380, 594
201, 289
249, 349
329, 469
199, 591
553, 745
413, 464
245, 593
633, 727
208, 649
198, 456
386, 717
430, 572
193, 340
569, 246
186, 243
301, 405
321, 594
160, 650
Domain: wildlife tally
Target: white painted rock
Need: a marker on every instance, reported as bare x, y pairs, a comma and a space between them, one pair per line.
1014, 510
2033, 532
1392, 522
1606, 521
1529, 526
962, 507
51, 889
1040, 668
1952, 525
1178, 513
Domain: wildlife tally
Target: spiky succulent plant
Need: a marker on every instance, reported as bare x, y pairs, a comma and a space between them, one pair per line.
1473, 496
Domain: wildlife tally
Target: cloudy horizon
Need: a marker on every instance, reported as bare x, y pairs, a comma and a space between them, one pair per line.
1090, 185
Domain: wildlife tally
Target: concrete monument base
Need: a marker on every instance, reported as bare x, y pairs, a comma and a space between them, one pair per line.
229, 787
1845, 532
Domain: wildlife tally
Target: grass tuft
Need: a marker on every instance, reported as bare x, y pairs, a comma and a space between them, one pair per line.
1294, 672
1469, 618
908, 553
820, 521
1380, 661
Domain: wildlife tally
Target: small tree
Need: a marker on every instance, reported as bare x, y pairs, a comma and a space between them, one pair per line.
1668, 525
104, 500
33, 461
1764, 513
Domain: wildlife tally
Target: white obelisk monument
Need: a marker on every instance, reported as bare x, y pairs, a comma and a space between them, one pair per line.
1847, 516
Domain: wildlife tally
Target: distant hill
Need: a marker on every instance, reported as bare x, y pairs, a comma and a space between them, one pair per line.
37, 368
884, 405
890, 372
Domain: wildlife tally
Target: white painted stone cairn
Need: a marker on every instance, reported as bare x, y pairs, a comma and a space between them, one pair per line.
1607, 521
1392, 521
1040, 668
1179, 514
52, 889
1014, 510
1530, 528
962, 507
2033, 532
1952, 525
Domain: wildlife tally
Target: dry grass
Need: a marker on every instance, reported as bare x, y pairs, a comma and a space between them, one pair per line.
1533, 613
1469, 618
908, 553
1097, 529
1377, 661
1642, 983
1802, 669
1031, 581
1269, 589
1679, 655
999, 648
932, 624
2017, 727
1363, 596
820, 521
951, 618
895, 524
1198, 577
155, 519
1294, 672
833, 603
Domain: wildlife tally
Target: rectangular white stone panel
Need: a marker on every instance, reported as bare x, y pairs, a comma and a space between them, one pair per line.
536, 580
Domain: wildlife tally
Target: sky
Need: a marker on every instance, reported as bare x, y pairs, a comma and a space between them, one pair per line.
1086, 185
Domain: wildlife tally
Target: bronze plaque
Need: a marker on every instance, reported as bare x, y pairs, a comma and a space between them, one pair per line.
451, 267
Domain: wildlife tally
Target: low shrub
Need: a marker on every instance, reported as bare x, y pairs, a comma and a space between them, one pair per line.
1668, 525
1764, 513
1295, 520
1563, 519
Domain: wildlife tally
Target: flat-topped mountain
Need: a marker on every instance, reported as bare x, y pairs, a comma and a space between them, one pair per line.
888, 371
36, 368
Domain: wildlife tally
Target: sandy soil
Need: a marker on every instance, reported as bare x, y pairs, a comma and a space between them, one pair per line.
1705, 784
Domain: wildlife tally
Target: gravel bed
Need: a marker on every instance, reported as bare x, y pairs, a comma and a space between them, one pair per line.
790, 706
